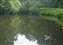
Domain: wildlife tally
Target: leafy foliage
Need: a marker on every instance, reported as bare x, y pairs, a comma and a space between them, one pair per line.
35, 17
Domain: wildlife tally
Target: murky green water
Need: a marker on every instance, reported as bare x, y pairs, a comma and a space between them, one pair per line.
27, 30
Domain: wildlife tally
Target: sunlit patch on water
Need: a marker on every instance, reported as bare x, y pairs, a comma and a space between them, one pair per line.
22, 40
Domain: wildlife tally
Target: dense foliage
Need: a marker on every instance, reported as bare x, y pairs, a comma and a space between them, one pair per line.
37, 17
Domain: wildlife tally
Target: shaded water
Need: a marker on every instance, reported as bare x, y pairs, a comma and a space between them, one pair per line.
21, 30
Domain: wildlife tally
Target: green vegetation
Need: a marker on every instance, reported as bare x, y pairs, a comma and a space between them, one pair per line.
36, 17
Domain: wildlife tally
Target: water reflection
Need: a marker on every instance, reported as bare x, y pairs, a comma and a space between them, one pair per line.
22, 40
41, 31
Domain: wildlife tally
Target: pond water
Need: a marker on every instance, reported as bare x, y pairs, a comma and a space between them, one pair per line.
22, 40
32, 30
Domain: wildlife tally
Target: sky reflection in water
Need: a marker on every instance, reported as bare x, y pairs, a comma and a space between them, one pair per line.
22, 40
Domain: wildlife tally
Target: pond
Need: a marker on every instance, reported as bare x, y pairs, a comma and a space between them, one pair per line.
27, 30
22, 40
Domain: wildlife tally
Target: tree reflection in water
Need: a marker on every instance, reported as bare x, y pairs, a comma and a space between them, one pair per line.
35, 25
